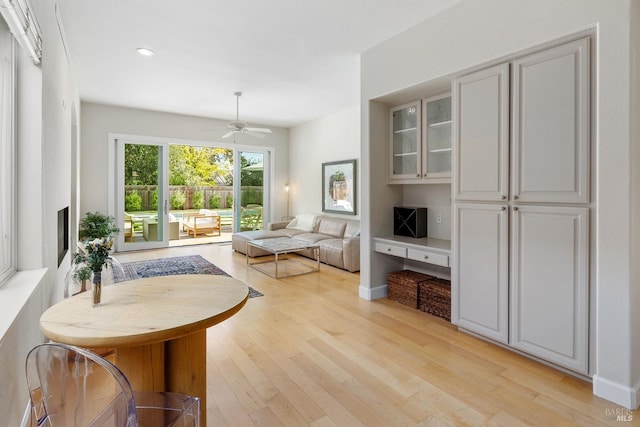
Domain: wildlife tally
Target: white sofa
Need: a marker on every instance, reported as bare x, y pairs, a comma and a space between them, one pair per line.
338, 238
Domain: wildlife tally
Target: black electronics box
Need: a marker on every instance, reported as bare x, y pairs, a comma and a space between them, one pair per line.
410, 222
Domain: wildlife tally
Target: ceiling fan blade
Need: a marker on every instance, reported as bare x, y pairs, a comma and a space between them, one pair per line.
256, 134
263, 130
228, 134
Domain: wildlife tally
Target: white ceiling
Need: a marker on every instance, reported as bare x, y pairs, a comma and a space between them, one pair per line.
294, 60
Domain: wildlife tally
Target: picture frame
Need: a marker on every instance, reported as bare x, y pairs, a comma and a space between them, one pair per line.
339, 184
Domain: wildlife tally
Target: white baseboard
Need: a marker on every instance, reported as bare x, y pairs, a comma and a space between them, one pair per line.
373, 293
617, 393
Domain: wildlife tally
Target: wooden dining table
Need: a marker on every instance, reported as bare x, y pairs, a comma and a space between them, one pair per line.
156, 326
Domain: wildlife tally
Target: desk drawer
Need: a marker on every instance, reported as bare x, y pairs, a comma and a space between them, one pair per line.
391, 249
427, 256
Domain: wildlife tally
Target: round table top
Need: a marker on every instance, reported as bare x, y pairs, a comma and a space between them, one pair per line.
145, 311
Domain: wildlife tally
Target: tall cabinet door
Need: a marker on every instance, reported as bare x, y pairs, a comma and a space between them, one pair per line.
550, 125
549, 283
481, 134
480, 269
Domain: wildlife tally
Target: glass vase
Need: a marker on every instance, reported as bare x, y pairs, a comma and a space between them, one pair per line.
96, 288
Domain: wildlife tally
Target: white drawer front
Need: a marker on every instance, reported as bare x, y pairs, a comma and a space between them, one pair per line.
430, 257
391, 249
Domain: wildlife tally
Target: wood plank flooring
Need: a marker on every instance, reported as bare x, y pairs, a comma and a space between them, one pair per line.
310, 352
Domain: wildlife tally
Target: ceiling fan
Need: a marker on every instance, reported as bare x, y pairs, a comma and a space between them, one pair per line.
238, 126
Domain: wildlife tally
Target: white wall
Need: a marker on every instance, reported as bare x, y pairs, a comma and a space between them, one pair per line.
45, 96
330, 138
97, 121
474, 33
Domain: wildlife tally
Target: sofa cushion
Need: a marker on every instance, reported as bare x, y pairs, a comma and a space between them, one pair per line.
312, 237
333, 227
290, 232
331, 252
352, 229
239, 240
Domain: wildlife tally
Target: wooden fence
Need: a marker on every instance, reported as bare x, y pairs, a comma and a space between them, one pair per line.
218, 197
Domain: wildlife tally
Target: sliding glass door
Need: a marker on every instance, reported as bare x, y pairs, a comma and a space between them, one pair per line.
142, 212
160, 183
251, 194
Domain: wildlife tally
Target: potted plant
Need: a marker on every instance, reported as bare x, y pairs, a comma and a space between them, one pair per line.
96, 235
97, 226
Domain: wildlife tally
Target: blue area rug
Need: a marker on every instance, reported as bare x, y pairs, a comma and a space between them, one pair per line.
191, 264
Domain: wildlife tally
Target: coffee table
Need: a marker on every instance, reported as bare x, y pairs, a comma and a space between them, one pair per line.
279, 247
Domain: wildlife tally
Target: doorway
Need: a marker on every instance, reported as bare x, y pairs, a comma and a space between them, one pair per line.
160, 183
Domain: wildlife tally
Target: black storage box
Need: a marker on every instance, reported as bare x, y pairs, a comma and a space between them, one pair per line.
410, 222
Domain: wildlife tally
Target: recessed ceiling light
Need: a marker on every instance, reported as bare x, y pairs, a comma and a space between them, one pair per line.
145, 52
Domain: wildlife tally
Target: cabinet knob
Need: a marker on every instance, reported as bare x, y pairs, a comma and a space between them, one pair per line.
504, 208
417, 175
426, 257
503, 197
515, 209
515, 197
388, 249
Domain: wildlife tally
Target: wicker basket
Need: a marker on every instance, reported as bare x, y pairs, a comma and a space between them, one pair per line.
434, 297
402, 286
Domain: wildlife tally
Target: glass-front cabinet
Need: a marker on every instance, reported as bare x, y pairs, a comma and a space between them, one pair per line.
437, 155
420, 141
405, 141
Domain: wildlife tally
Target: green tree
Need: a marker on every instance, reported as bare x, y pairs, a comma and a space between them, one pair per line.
251, 178
197, 166
140, 164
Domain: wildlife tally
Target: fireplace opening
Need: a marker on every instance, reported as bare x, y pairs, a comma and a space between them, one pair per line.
63, 233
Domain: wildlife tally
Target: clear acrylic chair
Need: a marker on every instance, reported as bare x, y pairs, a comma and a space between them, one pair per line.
73, 387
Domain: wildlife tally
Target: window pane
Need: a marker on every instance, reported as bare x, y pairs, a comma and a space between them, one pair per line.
7, 175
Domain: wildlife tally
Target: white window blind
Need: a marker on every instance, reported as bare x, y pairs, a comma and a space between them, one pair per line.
7, 156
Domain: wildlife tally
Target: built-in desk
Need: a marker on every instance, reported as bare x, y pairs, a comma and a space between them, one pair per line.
425, 249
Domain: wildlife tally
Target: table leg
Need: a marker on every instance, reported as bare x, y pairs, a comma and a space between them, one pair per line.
143, 366
186, 367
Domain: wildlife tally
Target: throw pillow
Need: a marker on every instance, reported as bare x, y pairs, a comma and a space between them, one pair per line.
304, 222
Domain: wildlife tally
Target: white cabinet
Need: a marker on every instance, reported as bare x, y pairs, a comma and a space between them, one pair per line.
480, 269
406, 144
523, 160
481, 135
425, 249
550, 125
549, 277
420, 141
436, 157
549, 121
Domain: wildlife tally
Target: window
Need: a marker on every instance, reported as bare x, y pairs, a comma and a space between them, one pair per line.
7, 155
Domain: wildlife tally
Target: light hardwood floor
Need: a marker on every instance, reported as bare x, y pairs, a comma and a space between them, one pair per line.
310, 352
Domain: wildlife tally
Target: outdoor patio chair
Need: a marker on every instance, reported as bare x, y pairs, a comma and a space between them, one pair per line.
70, 386
250, 217
128, 227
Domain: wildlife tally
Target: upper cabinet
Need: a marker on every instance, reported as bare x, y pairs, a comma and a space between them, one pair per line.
481, 134
436, 158
420, 142
548, 119
550, 125
406, 149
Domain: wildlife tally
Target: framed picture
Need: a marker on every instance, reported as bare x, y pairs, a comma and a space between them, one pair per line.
339, 187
